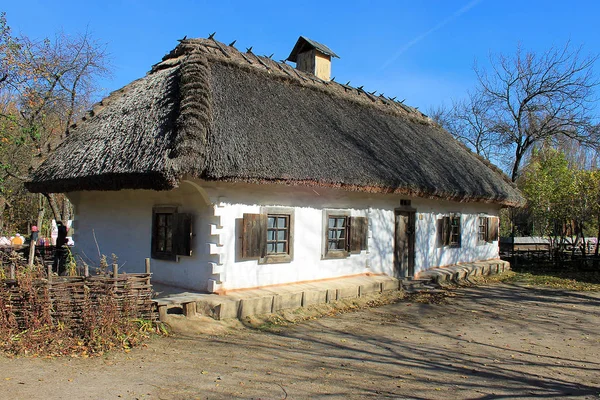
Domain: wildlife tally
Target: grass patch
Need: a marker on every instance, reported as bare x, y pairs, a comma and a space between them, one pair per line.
543, 280
275, 322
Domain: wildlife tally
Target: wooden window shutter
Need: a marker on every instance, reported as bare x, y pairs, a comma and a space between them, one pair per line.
440, 232
359, 228
459, 231
254, 236
154, 239
443, 231
182, 234
493, 228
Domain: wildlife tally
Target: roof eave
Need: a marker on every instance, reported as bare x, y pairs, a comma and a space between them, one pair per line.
105, 182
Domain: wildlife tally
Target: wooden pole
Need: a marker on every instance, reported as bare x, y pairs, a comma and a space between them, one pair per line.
31, 252
49, 273
12, 271
148, 271
115, 274
86, 270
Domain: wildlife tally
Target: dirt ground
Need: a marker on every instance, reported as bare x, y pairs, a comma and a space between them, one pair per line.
486, 342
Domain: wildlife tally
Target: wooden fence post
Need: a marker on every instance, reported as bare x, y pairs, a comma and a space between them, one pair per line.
49, 273
31, 252
86, 270
148, 271
115, 274
12, 271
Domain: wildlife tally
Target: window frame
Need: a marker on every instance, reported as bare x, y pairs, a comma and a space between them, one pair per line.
356, 237
445, 230
157, 211
277, 258
275, 241
485, 226
180, 231
337, 252
455, 243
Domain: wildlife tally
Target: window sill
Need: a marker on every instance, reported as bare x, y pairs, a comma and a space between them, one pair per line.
336, 254
276, 259
165, 256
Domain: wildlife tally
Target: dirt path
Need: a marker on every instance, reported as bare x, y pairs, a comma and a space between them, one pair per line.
487, 342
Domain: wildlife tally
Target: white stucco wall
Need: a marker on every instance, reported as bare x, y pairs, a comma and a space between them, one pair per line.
122, 224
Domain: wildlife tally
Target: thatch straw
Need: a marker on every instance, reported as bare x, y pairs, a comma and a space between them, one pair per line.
212, 112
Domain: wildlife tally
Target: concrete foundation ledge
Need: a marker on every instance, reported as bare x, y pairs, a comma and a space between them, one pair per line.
244, 303
313, 297
287, 300
368, 288
390, 284
348, 292
255, 306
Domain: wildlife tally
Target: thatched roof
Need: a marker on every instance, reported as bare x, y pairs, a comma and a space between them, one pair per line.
212, 112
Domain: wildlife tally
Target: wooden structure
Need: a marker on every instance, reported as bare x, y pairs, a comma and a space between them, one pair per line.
273, 167
70, 296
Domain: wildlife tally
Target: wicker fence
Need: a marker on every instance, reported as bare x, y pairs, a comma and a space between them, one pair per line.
67, 298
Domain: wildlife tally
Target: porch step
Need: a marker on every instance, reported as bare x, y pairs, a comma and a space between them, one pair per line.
462, 272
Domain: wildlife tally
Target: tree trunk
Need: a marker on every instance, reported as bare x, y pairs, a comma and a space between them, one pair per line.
597, 238
515, 170
583, 243
51, 197
2, 207
66, 209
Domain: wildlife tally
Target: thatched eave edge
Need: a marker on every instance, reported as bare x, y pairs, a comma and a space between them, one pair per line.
105, 182
507, 201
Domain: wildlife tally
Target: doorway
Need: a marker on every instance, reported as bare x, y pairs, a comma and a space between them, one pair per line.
404, 244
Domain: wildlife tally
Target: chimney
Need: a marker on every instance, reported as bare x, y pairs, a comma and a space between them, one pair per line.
312, 57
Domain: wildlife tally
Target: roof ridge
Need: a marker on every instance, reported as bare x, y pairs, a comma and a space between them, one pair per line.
229, 54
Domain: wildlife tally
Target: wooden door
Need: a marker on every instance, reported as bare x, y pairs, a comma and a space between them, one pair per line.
404, 246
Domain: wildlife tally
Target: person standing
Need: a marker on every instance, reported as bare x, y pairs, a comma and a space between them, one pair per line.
17, 241
60, 251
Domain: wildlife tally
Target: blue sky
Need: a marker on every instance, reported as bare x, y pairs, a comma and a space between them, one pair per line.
421, 51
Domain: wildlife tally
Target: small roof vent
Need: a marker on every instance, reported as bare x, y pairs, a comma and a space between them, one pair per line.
312, 57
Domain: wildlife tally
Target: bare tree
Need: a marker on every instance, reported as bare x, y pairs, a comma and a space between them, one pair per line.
524, 100
468, 121
529, 98
44, 86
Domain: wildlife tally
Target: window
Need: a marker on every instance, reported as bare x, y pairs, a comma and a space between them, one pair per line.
337, 233
449, 231
487, 229
482, 230
343, 234
455, 230
164, 232
278, 234
268, 236
171, 233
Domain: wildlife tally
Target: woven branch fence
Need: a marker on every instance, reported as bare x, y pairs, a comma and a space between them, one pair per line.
66, 299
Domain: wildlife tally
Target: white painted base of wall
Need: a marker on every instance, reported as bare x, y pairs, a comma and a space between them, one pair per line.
120, 222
